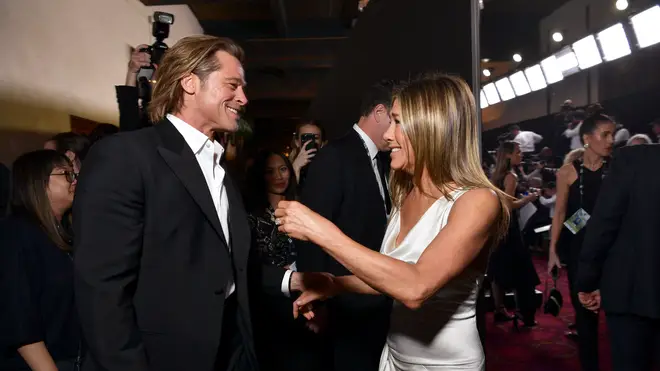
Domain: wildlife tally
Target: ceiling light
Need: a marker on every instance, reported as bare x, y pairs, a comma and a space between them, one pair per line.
557, 37
647, 26
613, 42
485, 60
621, 4
587, 52
551, 70
520, 84
505, 89
535, 77
517, 58
491, 94
486, 72
483, 102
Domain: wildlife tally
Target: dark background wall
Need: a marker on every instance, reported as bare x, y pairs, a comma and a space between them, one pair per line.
394, 39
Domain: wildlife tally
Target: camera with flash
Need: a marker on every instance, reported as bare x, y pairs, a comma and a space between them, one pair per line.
160, 29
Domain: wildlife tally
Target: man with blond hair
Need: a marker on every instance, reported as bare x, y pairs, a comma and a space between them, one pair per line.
162, 239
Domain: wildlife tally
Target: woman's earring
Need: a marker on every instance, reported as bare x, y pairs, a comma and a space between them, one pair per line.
586, 145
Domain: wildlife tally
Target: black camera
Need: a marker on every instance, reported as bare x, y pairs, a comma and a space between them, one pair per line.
160, 29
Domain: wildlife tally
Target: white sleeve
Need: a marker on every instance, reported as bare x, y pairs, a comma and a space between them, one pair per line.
621, 136
286, 290
570, 133
548, 201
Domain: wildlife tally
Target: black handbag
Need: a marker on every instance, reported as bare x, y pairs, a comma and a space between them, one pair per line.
553, 298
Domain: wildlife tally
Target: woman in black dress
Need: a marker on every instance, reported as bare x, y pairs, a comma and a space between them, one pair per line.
283, 344
39, 327
578, 184
511, 266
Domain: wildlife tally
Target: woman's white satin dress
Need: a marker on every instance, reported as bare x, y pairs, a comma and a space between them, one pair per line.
442, 334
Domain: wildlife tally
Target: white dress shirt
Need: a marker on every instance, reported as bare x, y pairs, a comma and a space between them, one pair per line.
621, 136
574, 136
527, 141
208, 154
373, 152
549, 203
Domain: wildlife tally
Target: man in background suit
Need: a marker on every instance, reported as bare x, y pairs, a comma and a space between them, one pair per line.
162, 239
620, 258
347, 184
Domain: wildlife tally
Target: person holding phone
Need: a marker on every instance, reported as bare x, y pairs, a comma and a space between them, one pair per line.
308, 139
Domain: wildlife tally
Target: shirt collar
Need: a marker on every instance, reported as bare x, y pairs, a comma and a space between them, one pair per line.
196, 139
371, 146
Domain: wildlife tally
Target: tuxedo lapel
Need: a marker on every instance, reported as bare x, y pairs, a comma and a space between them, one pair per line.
238, 228
180, 158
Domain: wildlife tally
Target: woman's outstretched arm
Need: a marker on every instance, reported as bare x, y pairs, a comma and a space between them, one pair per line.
456, 246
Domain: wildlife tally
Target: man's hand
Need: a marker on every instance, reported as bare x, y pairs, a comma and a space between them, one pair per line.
138, 60
314, 286
590, 300
319, 322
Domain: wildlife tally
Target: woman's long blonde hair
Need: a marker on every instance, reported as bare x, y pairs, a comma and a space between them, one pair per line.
439, 117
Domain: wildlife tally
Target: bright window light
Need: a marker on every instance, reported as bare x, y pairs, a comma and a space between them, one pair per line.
535, 77
551, 70
647, 26
483, 102
587, 52
613, 42
491, 94
567, 62
520, 84
505, 89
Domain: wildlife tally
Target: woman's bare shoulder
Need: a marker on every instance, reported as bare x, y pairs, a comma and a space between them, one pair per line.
482, 198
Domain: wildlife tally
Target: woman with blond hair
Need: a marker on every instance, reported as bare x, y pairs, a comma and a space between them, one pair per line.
446, 216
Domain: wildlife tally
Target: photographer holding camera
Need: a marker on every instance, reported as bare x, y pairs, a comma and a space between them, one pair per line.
128, 97
133, 98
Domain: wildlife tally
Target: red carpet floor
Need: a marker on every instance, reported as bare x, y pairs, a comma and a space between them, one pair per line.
544, 347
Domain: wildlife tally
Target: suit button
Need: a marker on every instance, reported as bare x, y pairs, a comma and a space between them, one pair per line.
220, 292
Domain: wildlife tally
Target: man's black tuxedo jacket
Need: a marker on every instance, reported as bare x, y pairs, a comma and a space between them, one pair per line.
342, 187
152, 263
621, 250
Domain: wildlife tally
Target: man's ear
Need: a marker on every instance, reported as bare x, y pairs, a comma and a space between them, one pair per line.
70, 155
189, 83
380, 113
